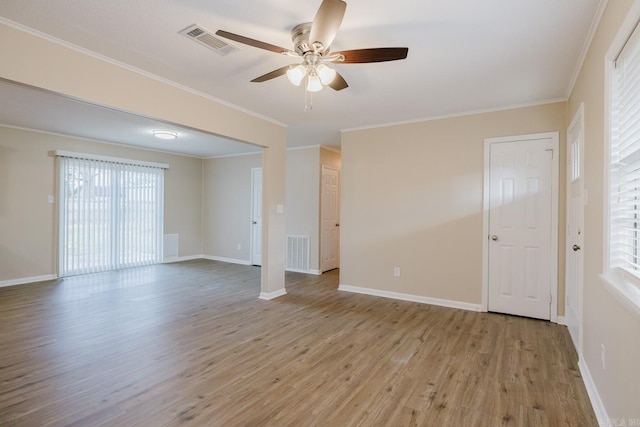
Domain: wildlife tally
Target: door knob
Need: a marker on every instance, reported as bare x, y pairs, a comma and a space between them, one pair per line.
494, 237
254, 222
576, 248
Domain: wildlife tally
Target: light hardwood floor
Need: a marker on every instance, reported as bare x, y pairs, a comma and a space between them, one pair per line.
190, 343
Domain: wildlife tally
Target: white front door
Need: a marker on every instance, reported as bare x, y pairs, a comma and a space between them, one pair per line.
256, 216
575, 227
330, 219
520, 231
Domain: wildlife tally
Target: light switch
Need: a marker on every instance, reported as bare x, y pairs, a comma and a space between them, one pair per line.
50, 199
280, 209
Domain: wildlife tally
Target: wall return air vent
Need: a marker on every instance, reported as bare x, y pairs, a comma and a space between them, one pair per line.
206, 38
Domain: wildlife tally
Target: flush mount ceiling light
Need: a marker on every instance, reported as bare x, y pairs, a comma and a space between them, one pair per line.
165, 134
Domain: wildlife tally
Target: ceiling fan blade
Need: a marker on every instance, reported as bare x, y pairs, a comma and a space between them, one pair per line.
378, 54
252, 42
326, 24
272, 75
338, 82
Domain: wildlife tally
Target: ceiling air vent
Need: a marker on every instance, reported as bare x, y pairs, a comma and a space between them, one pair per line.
206, 38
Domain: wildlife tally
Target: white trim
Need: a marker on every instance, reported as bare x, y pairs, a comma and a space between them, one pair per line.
223, 259
26, 280
456, 115
560, 320
485, 228
594, 396
325, 147
332, 148
314, 272
222, 156
119, 160
133, 69
555, 183
413, 298
586, 45
624, 31
98, 141
306, 147
181, 258
626, 292
272, 295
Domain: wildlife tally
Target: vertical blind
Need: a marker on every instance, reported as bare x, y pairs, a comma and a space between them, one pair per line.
110, 215
625, 158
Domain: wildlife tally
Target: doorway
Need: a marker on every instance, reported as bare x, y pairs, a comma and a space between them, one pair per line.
521, 225
330, 219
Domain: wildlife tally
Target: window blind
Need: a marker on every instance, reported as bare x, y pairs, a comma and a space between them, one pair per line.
625, 158
111, 215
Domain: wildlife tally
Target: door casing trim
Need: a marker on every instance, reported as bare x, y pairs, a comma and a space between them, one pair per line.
555, 166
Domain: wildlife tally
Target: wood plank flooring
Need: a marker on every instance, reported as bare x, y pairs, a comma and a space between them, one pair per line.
191, 344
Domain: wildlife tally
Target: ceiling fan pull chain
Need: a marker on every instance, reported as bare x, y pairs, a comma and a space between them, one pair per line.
308, 101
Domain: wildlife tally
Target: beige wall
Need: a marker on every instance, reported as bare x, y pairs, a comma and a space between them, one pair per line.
35, 61
412, 198
303, 198
27, 177
227, 203
606, 322
226, 206
331, 158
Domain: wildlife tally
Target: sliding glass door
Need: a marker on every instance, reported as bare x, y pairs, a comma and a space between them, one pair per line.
110, 215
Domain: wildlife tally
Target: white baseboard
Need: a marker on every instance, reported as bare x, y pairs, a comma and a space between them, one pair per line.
293, 270
272, 295
181, 258
25, 280
594, 396
412, 298
223, 259
560, 320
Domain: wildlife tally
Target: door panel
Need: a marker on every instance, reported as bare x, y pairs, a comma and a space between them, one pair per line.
330, 219
520, 228
256, 216
575, 229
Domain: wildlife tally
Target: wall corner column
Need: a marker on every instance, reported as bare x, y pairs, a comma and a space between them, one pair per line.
273, 221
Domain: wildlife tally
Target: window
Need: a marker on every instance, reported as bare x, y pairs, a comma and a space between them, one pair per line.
622, 274
110, 214
625, 159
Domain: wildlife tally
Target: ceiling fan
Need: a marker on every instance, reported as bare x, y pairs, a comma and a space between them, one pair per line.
312, 42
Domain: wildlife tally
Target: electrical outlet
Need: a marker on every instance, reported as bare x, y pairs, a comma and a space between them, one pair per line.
396, 271
239, 247
602, 356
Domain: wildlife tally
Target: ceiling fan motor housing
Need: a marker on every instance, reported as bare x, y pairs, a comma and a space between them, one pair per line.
300, 38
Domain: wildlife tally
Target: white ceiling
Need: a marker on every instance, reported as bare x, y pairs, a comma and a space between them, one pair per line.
464, 56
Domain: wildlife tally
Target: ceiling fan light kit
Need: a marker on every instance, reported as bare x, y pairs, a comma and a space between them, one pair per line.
312, 42
296, 73
318, 74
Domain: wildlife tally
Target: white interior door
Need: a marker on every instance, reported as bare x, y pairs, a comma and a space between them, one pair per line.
575, 227
520, 227
330, 219
256, 216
